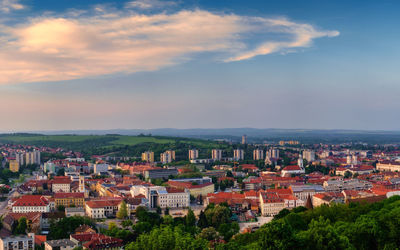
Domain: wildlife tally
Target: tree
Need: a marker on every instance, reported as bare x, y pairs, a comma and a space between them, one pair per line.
21, 227
122, 211
166, 212
190, 218
209, 234
202, 223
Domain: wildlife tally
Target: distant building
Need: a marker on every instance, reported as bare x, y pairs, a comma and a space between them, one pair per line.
32, 157
148, 156
102, 167
309, 155
63, 244
20, 158
61, 184
162, 196
74, 211
273, 153
69, 199
244, 139
167, 157
391, 166
14, 166
160, 173
193, 154
216, 154
238, 154
258, 154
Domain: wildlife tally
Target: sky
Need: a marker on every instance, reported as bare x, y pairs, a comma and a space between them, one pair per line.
98, 64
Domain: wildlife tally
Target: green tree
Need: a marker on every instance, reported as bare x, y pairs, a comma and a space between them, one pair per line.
21, 227
209, 233
122, 211
190, 218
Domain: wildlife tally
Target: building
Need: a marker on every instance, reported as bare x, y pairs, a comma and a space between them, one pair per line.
74, 211
288, 171
14, 166
385, 166
327, 198
63, 244
162, 196
244, 139
238, 154
196, 189
148, 156
160, 173
102, 208
273, 153
31, 203
303, 191
270, 203
193, 154
49, 167
167, 157
32, 157
100, 167
351, 184
61, 184
24, 242
309, 155
69, 199
20, 158
258, 154
97, 241
216, 154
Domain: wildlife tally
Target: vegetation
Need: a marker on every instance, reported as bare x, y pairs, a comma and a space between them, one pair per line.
66, 226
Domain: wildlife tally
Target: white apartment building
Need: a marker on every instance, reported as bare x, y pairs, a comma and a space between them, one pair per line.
340, 185
273, 153
216, 154
258, 154
162, 196
193, 154
167, 157
61, 185
238, 154
303, 191
24, 242
271, 204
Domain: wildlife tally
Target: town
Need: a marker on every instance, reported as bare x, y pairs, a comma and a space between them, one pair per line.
52, 198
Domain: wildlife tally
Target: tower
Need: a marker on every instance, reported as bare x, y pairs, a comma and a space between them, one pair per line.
300, 161
82, 184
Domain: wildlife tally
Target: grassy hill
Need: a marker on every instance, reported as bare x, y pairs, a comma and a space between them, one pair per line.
112, 144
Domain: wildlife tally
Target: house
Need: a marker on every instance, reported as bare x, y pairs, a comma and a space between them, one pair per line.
327, 198
303, 191
194, 188
96, 241
33, 221
63, 244
292, 170
31, 203
84, 229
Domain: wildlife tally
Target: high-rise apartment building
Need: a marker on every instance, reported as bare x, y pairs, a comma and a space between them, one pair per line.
216, 154
193, 154
32, 157
148, 156
258, 154
238, 154
244, 139
167, 157
273, 153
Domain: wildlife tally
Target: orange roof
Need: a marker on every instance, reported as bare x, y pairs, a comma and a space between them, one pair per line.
68, 195
31, 200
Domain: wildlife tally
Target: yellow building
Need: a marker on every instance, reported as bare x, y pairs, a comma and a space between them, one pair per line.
14, 166
69, 199
148, 156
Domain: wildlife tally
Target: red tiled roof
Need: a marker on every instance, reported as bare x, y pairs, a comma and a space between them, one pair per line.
31, 200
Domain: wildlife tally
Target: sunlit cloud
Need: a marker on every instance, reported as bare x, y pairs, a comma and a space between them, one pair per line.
55, 48
149, 4
7, 6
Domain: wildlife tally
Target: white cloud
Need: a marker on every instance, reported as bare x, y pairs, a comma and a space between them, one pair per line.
149, 4
9, 5
55, 48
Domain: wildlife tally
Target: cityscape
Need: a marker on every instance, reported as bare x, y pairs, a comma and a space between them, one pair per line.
199, 124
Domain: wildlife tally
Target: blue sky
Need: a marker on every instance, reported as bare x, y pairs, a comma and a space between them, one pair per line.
199, 64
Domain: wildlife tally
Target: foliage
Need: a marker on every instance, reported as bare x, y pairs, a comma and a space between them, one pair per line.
66, 226
21, 226
122, 211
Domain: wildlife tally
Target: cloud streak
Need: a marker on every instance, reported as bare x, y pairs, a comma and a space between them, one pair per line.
7, 6
64, 48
